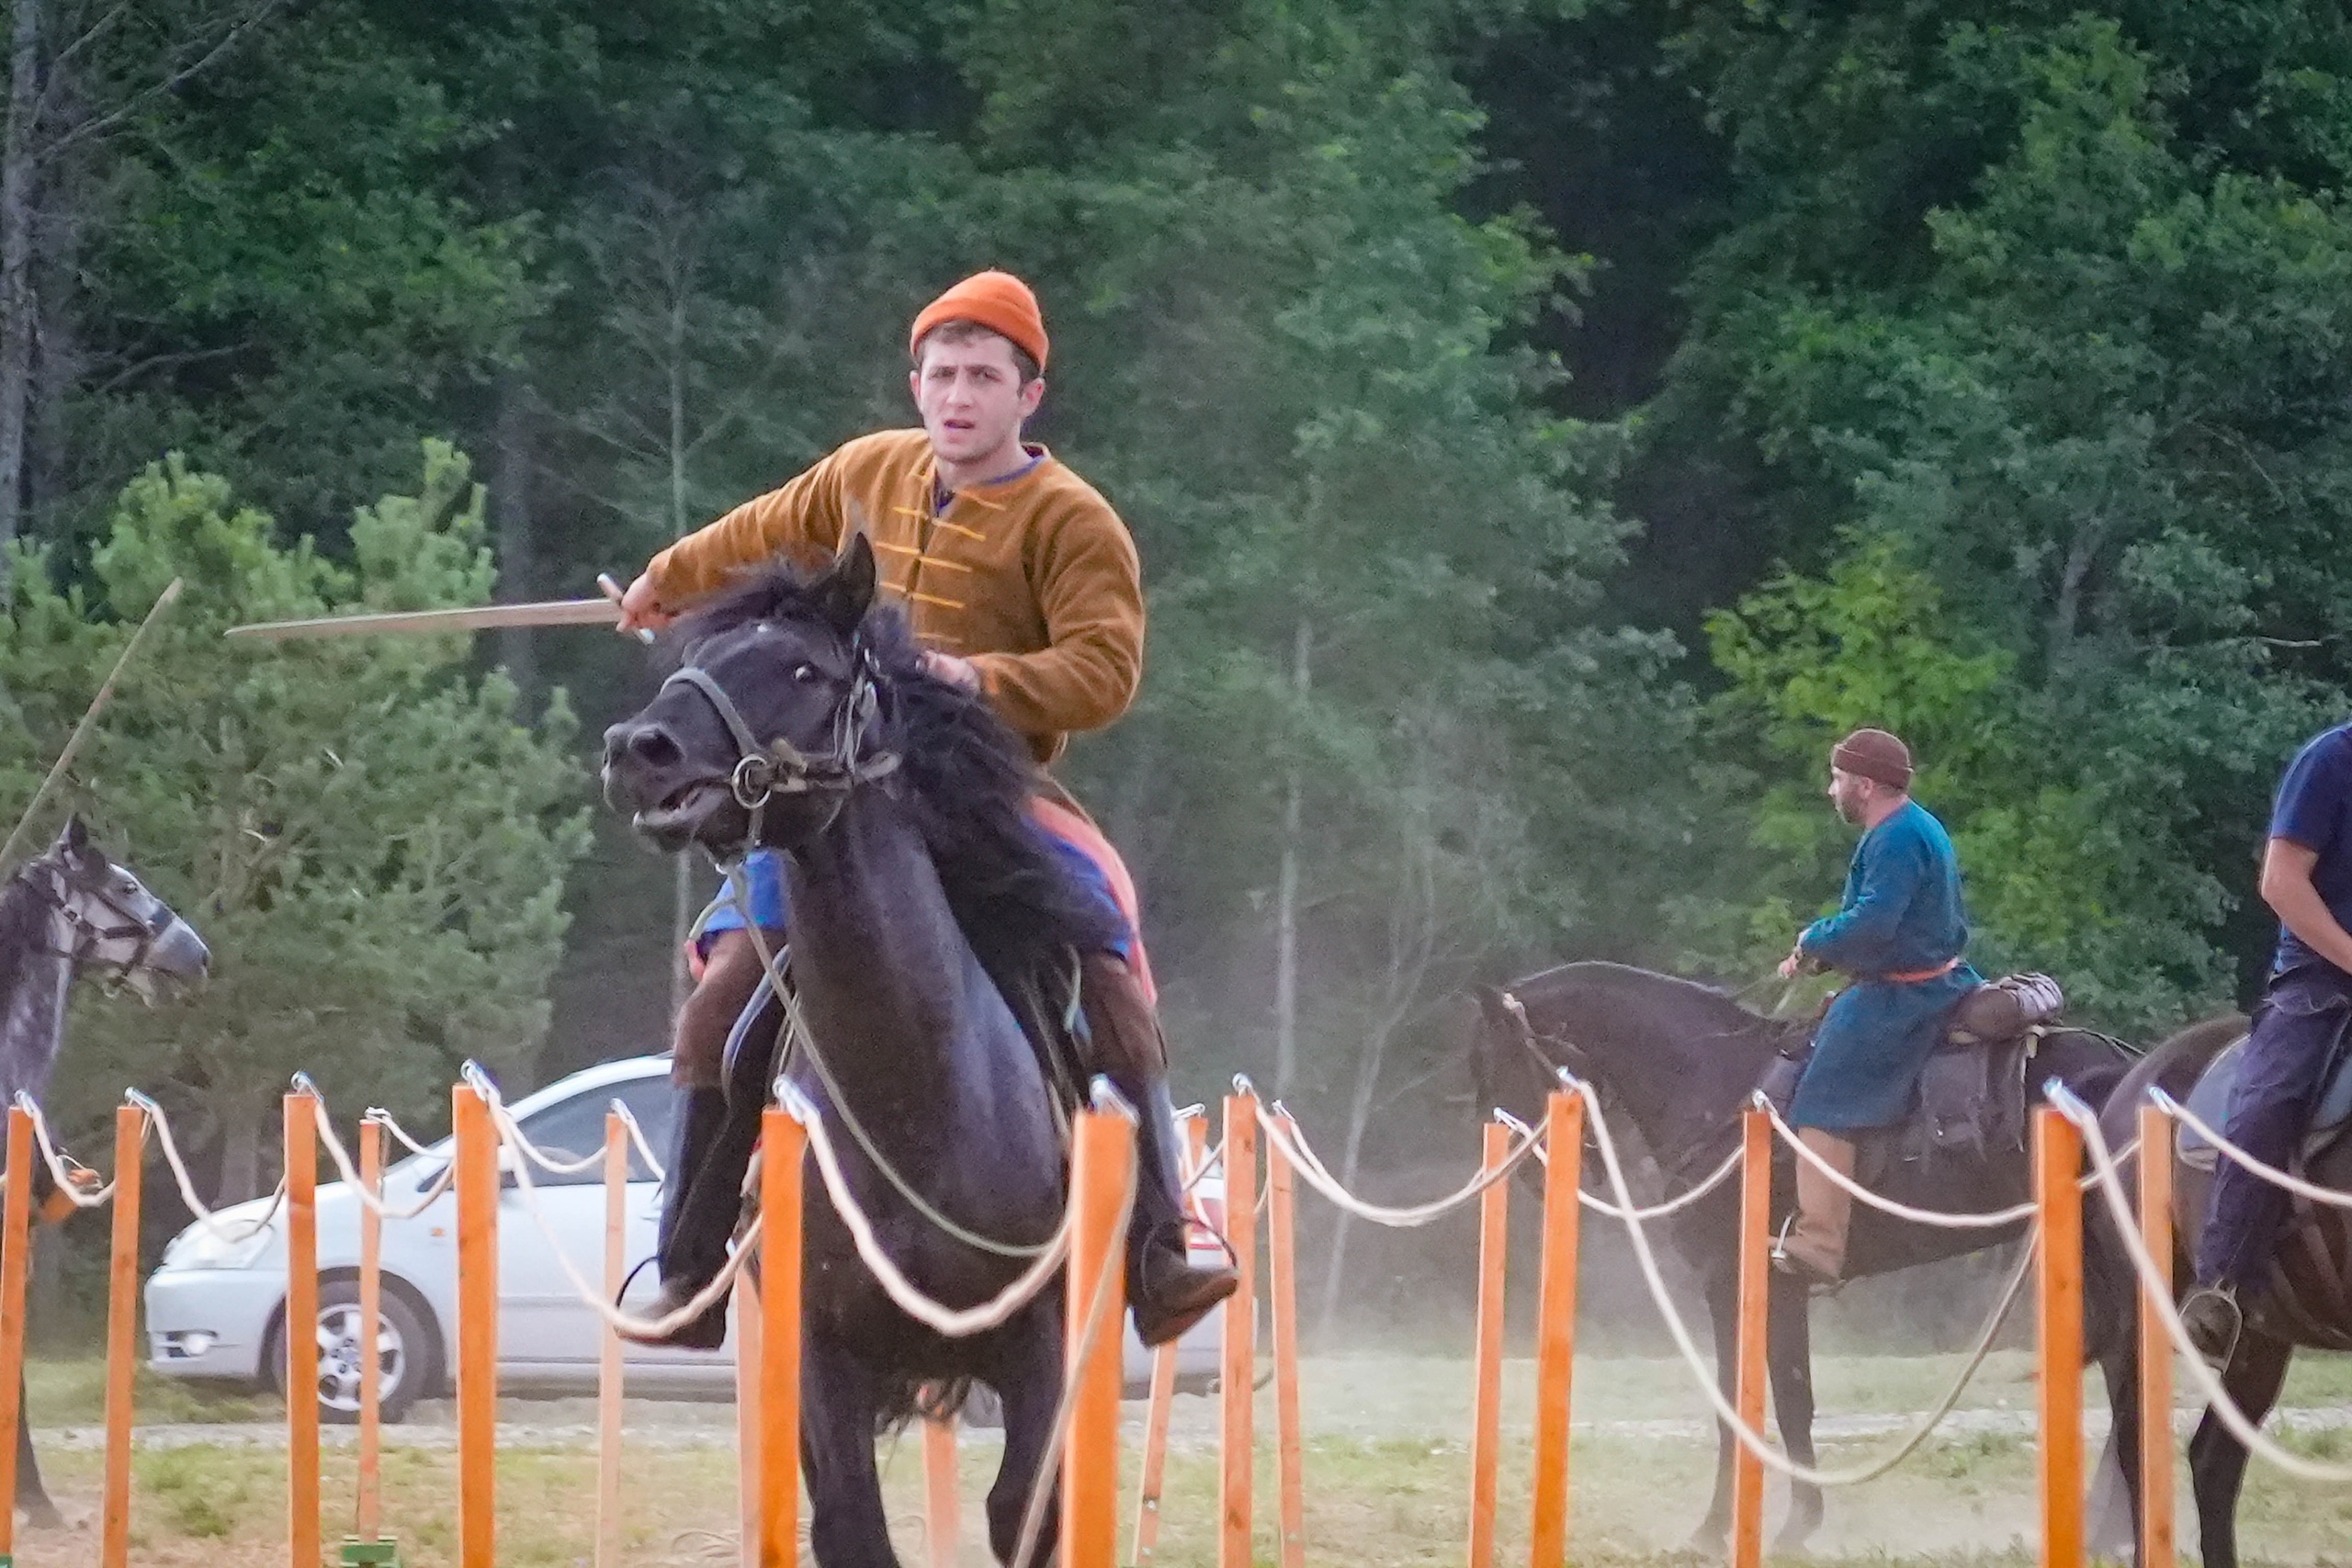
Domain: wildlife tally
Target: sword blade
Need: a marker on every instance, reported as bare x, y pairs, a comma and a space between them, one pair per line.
478, 618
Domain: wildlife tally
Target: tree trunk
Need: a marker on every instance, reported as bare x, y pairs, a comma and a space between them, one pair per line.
1360, 1104
1286, 893
57, 357
18, 199
239, 1125
517, 566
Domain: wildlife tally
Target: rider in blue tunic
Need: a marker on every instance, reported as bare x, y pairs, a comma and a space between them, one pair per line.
1899, 930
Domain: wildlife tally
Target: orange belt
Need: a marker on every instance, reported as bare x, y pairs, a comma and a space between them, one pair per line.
1914, 976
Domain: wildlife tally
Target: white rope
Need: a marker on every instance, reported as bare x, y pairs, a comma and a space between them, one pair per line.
2151, 1281
89, 1197
2272, 1174
342, 1164
1749, 1437
622, 1321
1284, 1136
637, 1135
204, 1216
383, 1118
1992, 1221
951, 1323
1673, 1205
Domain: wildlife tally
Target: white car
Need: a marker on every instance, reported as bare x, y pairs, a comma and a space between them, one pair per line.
216, 1305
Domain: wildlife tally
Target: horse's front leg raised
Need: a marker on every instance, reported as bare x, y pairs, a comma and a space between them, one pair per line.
1788, 1353
838, 1399
1722, 1312
1028, 1381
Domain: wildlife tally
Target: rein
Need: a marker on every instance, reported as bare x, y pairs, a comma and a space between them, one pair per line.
89, 935
763, 772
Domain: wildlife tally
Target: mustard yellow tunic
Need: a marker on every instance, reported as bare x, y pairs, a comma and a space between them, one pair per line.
1034, 579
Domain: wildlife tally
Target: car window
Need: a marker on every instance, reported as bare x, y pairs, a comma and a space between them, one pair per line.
572, 1128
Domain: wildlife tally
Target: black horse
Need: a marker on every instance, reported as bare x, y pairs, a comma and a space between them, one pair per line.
921, 896
1678, 1061
72, 911
2313, 1272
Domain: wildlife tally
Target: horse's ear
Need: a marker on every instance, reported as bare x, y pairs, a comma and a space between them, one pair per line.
847, 591
75, 837
1493, 1006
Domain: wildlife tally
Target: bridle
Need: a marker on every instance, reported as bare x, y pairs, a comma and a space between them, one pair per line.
90, 936
764, 771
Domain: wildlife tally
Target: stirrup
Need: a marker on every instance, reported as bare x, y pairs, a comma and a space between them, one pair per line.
2224, 1296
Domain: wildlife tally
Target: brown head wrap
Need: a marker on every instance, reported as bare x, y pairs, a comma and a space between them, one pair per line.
1874, 754
997, 300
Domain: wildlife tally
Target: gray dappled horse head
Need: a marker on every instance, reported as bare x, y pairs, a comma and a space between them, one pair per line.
802, 719
69, 912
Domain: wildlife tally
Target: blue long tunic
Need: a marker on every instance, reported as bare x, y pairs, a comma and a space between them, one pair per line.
1900, 915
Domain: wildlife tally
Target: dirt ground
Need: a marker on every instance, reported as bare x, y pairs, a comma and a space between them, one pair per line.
1388, 1473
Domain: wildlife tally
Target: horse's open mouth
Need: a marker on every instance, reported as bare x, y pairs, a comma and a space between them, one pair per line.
682, 812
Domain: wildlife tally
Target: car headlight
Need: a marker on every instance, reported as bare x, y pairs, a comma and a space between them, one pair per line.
224, 1244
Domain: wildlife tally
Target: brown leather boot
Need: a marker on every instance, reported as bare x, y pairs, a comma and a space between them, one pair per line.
1813, 1247
1168, 1292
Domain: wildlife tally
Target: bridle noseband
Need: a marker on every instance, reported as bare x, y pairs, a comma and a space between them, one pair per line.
764, 771
89, 936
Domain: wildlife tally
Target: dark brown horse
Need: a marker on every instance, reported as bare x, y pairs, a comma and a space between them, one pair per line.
2315, 1273
1678, 1062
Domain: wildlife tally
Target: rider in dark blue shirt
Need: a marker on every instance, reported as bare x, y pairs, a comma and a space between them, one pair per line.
2307, 880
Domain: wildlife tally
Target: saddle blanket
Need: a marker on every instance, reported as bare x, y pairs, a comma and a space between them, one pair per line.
2210, 1100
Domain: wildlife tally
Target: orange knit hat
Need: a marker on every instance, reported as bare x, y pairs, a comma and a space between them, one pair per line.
997, 300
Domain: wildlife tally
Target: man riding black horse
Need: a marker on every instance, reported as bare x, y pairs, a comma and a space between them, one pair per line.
1899, 930
2298, 1027
1022, 584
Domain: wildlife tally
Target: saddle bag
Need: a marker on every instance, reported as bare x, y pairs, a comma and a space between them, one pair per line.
2003, 1010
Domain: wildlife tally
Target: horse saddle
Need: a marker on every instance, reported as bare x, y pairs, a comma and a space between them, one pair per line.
2331, 1117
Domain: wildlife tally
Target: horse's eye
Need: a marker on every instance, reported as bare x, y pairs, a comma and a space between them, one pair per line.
803, 673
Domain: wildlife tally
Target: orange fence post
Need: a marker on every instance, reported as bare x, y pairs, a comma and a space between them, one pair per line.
1282, 1269
368, 1510
609, 1371
782, 1142
749, 1359
1555, 1345
1240, 1367
1486, 1376
1102, 1157
16, 1248
477, 1182
2057, 1166
943, 1523
301, 1151
122, 1330
1163, 1382
2156, 1549
1755, 1295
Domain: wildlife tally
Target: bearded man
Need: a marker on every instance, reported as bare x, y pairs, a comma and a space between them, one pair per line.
1022, 584
1899, 930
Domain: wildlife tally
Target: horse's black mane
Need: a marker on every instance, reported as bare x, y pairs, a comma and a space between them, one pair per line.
967, 778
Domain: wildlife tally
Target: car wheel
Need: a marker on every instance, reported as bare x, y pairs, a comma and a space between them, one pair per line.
403, 1354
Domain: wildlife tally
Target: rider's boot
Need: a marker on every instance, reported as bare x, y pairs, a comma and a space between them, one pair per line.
695, 1223
1168, 1292
1813, 1247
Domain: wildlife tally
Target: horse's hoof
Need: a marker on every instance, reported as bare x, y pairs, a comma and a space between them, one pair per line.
44, 1516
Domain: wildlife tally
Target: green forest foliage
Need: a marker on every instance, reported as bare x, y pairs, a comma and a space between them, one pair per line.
1546, 426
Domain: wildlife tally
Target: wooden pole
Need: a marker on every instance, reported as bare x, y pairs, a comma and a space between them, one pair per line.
477, 1184
1163, 1382
942, 1510
122, 1332
1102, 1155
15, 1248
367, 1512
1239, 1368
301, 1151
751, 1359
2157, 1545
1486, 1375
1755, 1293
1556, 1343
609, 1372
783, 1142
2057, 1166
1281, 1267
